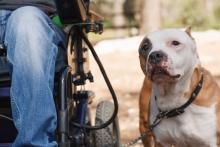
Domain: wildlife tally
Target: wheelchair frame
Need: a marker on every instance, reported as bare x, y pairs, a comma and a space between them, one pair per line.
74, 125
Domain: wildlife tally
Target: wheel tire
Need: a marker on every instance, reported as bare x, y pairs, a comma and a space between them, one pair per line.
109, 136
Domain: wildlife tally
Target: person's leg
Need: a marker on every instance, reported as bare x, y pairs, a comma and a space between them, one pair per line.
4, 14
32, 45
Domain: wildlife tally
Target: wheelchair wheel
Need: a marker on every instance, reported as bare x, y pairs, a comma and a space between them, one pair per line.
109, 136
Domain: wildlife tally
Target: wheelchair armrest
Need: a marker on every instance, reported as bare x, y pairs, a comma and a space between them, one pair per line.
94, 13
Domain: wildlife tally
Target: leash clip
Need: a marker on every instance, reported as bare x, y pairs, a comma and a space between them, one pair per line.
162, 114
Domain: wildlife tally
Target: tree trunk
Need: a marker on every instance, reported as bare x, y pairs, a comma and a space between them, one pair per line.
210, 10
150, 15
118, 18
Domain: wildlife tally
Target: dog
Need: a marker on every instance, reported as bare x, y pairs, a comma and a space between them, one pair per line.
179, 100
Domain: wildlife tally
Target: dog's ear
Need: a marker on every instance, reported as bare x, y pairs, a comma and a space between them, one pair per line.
188, 32
143, 64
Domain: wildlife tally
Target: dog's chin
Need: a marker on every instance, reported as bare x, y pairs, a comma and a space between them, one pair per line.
159, 74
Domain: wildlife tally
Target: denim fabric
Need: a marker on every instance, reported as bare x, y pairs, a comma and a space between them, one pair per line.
32, 45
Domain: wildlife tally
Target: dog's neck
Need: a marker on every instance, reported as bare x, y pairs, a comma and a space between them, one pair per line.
171, 95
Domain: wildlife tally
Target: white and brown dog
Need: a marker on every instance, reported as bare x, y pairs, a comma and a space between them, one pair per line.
179, 100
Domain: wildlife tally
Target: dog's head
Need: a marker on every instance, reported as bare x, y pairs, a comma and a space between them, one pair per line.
167, 55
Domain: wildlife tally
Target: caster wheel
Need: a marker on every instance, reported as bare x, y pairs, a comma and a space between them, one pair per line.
109, 136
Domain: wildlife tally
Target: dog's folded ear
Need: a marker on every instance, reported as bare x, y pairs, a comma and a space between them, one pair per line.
188, 32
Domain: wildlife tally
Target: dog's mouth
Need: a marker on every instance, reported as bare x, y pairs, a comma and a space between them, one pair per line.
161, 73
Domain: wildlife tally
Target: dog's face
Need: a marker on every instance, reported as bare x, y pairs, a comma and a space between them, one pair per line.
167, 55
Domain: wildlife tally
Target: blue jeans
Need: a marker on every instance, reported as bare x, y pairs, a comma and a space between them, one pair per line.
32, 47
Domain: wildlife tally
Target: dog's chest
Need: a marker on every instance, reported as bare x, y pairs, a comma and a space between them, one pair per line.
195, 127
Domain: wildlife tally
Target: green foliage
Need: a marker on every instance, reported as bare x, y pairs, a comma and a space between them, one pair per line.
216, 25
108, 23
192, 13
174, 13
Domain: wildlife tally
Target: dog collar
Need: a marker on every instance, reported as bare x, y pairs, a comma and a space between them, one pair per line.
177, 111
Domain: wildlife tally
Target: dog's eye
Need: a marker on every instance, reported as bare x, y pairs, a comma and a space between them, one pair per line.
146, 46
175, 43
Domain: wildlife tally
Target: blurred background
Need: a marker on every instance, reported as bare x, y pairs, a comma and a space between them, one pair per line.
126, 22
140, 16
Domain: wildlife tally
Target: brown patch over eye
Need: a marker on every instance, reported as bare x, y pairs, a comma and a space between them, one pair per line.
145, 47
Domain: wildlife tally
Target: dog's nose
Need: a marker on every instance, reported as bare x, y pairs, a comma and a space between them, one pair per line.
156, 57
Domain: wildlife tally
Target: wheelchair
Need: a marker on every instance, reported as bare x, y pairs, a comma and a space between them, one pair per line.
75, 128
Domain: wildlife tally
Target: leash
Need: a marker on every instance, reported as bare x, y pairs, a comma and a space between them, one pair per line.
134, 141
160, 116
168, 114
143, 135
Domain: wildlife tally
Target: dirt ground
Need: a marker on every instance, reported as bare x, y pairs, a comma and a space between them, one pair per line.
122, 66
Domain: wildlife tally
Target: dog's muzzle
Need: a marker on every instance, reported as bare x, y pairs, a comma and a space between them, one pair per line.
158, 66
157, 57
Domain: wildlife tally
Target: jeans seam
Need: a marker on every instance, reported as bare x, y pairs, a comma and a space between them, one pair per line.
16, 109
